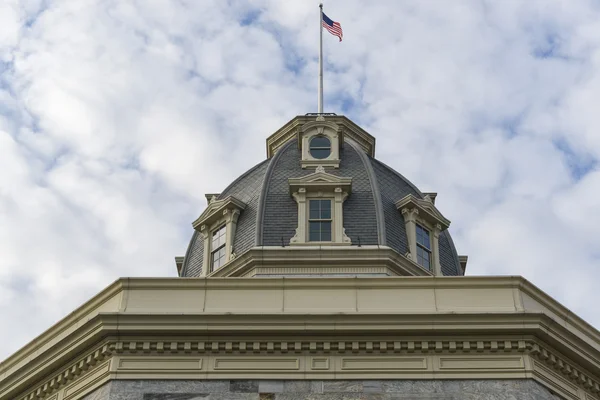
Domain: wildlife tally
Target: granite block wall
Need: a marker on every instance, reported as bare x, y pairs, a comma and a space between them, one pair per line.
323, 390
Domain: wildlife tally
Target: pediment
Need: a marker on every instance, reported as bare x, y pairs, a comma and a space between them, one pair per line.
320, 181
426, 209
215, 210
344, 127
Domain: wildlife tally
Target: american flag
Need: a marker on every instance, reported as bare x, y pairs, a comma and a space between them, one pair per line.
332, 27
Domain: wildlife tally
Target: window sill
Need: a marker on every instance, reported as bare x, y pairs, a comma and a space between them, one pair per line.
313, 163
320, 244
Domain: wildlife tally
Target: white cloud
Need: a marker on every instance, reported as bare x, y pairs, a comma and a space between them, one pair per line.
116, 117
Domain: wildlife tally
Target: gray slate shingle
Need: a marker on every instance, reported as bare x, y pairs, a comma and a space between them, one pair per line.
281, 211
246, 188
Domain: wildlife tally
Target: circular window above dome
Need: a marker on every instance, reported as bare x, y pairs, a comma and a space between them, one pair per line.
320, 147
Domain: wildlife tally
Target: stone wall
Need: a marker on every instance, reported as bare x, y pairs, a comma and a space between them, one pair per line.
323, 390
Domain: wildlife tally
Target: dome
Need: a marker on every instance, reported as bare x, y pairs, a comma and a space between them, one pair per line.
371, 217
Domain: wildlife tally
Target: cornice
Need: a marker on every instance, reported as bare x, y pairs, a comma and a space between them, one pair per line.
429, 211
278, 310
347, 128
108, 299
335, 260
320, 181
143, 357
215, 210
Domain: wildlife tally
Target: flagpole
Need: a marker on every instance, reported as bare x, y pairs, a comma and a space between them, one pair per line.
321, 58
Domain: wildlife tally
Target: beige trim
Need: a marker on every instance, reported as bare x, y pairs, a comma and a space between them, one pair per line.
425, 209
215, 210
463, 263
211, 197
344, 328
320, 127
423, 212
472, 357
347, 128
179, 264
432, 196
319, 259
218, 213
320, 181
323, 185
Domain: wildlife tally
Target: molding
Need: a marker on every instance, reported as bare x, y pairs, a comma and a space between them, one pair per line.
320, 127
460, 325
218, 213
320, 184
462, 260
432, 196
425, 209
78, 378
215, 210
316, 163
472, 357
329, 258
179, 264
422, 211
289, 131
212, 196
348, 129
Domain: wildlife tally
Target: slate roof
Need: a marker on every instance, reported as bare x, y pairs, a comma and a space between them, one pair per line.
271, 214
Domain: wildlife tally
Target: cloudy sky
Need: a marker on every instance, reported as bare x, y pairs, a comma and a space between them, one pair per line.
117, 116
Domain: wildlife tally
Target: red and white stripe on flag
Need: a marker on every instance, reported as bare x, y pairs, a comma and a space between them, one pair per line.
332, 27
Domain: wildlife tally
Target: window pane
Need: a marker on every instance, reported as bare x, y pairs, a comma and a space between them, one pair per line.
314, 209
423, 258
218, 258
314, 234
326, 231
423, 237
320, 153
325, 209
219, 236
320, 141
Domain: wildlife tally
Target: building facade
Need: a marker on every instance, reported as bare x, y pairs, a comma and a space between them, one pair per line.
321, 273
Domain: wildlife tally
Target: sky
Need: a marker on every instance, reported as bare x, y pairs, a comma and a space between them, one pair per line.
117, 116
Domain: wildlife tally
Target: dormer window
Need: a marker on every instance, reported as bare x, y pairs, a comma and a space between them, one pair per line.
320, 147
423, 247
218, 254
424, 223
320, 142
319, 221
320, 197
217, 224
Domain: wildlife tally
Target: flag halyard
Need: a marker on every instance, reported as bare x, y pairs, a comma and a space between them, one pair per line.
332, 27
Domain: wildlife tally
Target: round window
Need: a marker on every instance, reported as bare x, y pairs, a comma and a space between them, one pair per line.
320, 147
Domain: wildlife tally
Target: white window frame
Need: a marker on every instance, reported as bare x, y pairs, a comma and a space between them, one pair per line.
323, 186
423, 212
219, 213
214, 250
330, 219
328, 129
427, 250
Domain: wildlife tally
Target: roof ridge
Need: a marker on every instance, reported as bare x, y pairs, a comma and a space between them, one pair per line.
379, 217
260, 213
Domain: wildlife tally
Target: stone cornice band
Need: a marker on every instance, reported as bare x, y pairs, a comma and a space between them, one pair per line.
460, 328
